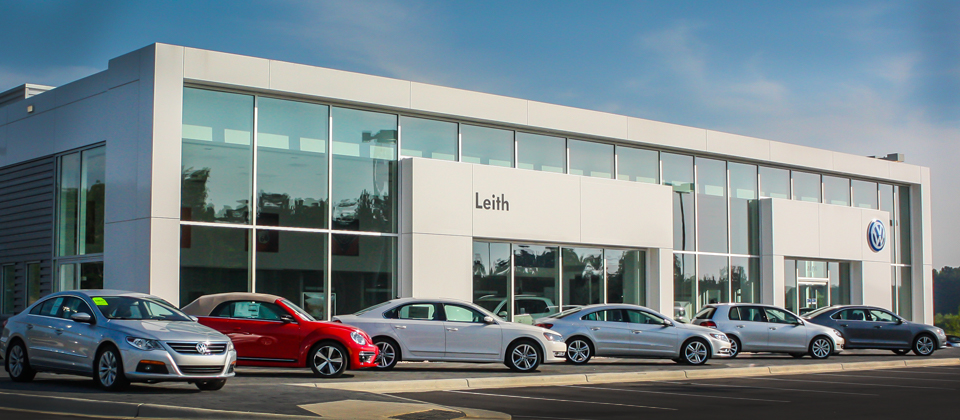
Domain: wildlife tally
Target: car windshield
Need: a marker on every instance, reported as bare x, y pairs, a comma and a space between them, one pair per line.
298, 310
566, 312
815, 313
363, 311
137, 308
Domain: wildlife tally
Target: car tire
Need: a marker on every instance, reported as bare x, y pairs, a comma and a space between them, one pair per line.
328, 359
820, 347
695, 352
523, 356
18, 363
901, 352
924, 345
388, 353
579, 351
108, 370
735, 346
210, 385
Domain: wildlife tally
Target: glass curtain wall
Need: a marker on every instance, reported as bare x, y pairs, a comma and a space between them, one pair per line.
81, 199
774, 183
712, 206
744, 210
582, 276
541, 153
429, 138
678, 173
836, 190
536, 281
626, 276
486, 146
591, 159
806, 187
491, 277
640, 165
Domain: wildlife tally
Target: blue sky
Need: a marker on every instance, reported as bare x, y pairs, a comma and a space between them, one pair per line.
867, 78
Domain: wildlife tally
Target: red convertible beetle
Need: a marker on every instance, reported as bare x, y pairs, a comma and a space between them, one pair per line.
271, 331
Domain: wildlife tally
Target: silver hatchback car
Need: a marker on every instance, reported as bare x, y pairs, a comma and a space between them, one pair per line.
764, 328
633, 331
115, 337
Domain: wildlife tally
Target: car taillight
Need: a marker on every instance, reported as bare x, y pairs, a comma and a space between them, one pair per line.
547, 326
708, 324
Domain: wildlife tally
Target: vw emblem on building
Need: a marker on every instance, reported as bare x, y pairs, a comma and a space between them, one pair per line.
202, 348
876, 235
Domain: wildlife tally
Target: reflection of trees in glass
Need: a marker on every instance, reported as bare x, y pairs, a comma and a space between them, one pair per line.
194, 205
299, 212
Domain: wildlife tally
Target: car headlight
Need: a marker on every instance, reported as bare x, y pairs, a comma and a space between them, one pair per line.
144, 343
837, 333
358, 338
718, 336
940, 332
552, 336
229, 345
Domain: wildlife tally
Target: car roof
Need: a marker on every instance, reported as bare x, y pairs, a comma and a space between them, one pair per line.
99, 292
206, 304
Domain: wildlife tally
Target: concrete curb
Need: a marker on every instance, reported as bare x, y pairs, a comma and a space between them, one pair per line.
394, 387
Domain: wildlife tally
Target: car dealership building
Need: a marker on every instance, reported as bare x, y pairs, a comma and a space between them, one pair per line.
183, 172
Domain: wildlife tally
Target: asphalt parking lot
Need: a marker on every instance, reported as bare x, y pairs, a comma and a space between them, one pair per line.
265, 390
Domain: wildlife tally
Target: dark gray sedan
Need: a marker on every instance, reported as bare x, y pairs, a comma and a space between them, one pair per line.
870, 327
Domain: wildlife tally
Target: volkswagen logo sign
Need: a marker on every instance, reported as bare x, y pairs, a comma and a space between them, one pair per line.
876, 235
202, 348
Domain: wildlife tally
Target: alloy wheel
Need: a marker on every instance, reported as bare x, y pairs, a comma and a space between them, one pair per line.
734, 347
695, 352
387, 354
578, 351
821, 348
328, 360
107, 369
16, 361
524, 357
925, 345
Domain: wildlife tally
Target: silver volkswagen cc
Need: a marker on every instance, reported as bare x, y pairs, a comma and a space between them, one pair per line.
115, 337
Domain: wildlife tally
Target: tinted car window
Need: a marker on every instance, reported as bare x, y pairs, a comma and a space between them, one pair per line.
249, 310
415, 311
751, 313
615, 315
639, 317
530, 306
852, 315
734, 314
595, 316
882, 316
706, 313
73, 305
50, 307
457, 313
779, 317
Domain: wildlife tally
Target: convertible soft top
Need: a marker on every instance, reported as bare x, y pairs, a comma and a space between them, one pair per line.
205, 304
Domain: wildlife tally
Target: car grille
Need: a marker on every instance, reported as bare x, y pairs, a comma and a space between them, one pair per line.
191, 347
201, 370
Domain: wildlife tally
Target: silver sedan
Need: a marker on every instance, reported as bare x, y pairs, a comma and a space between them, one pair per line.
115, 337
633, 331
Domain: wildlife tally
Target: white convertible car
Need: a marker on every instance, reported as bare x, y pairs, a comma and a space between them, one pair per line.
455, 331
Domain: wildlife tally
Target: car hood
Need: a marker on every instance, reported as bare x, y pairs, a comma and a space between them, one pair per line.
529, 329
695, 328
166, 330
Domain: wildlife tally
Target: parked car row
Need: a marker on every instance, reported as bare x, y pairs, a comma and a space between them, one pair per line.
120, 337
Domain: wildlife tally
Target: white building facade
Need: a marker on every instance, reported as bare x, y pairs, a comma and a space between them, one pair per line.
182, 172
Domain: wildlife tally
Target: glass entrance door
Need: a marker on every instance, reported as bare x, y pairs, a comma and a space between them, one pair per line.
813, 295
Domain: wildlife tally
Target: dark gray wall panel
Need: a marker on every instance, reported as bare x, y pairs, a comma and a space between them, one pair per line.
27, 194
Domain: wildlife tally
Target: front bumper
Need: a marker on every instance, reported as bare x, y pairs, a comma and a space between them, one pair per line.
838, 344
169, 366
719, 348
556, 352
362, 357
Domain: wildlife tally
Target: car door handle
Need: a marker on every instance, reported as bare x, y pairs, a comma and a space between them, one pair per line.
844, 325
59, 331
740, 326
637, 331
400, 327
878, 327
453, 329
29, 326
773, 328
595, 328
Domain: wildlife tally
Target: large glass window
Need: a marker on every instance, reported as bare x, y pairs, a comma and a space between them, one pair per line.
213, 260
774, 183
428, 138
84, 275
291, 163
836, 190
68, 204
714, 280
684, 286
591, 159
541, 153
678, 173
364, 170
491, 277
806, 187
903, 221
744, 212
639, 165
8, 277
582, 276
487, 146
840, 283
905, 294
745, 279
887, 204
626, 276
712, 205
363, 271
865, 194
291, 265
217, 156
80, 207
536, 281
790, 284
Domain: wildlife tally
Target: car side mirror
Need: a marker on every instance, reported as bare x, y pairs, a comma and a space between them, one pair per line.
667, 323
899, 321
502, 314
194, 319
488, 319
287, 319
82, 317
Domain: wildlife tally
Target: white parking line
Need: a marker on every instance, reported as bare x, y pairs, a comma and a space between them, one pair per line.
778, 389
853, 383
558, 400
888, 377
674, 393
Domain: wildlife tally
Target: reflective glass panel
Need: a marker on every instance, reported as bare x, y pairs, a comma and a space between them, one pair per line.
840, 283
744, 209
774, 183
33, 283
8, 277
291, 164
806, 187
887, 204
905, 294
364, 171
591, 159
428, 138
865, 194
836, 190
536, 282
363, 271
487, 146
92, 200
75, 276
491, 277
291, 265
541, 153
714, 278
678, 173
812, 269
626, 276
712, 205
903, 220
582, 276
213, 260
639, 165
217, 156
790, 284
684, 286
68, 204
745, 279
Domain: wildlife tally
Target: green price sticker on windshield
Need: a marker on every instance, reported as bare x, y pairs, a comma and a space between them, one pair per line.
100, 301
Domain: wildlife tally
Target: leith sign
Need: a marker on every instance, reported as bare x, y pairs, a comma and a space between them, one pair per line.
493, 203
